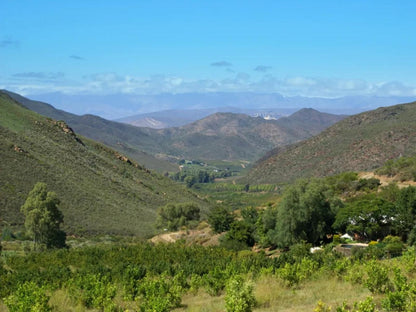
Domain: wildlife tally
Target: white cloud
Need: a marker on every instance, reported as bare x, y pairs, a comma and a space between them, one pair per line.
110, 83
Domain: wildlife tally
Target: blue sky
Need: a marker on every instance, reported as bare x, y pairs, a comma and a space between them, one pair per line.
309, 48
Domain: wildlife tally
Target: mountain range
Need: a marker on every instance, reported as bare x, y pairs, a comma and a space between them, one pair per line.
357, 143
101, 190
117, 105
221, 136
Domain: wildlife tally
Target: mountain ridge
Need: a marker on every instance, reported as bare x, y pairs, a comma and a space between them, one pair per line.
360, 142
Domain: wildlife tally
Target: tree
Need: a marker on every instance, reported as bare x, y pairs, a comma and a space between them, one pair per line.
43, 218
220, 219
173, 216
369, 216
305, 213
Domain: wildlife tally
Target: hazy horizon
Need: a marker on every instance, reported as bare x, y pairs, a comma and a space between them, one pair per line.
322, 49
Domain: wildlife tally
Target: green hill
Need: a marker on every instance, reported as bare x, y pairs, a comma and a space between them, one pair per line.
101, 191
360, 142
221, 136
127, 139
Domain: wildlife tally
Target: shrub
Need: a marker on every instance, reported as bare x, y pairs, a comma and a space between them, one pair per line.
377, 277
239, 295
161, 293
28, 297
394, 245
93, 291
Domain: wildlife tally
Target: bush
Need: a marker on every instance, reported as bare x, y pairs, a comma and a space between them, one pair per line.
394, 245
239, 295
93, 291
377, 277
160, 293
28, 297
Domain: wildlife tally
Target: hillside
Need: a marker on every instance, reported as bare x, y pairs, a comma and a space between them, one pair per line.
358, 143
124, 138
101, 191
221, 136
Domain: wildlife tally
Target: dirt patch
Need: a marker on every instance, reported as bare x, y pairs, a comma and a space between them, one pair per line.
202, 236
385, 180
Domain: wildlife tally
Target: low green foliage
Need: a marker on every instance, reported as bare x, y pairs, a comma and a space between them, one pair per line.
28, 297
93, 291
161, 293
239, 295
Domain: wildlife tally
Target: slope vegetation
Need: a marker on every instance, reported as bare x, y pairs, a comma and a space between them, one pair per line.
101, 191
127, 139
359, 143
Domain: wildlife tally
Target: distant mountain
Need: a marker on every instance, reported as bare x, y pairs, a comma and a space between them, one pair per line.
101, 190
110, 133
360, 142
178, 118
229, 136
115, 106
221, 136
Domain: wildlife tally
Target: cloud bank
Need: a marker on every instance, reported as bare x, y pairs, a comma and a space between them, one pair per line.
110, 83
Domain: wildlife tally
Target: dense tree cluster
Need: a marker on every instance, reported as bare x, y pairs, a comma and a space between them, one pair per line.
312, 210
174, 216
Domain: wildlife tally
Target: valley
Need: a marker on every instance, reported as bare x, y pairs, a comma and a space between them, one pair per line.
215, 233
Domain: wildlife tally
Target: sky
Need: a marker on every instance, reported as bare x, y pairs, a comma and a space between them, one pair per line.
307, 48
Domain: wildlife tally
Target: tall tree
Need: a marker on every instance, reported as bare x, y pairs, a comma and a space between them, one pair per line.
305, 213
43, 218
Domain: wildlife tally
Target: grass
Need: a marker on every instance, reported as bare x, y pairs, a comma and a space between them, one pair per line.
271, 295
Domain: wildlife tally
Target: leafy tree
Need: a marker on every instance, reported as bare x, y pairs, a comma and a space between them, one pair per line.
220, 219
240, 236
369, 216
43, 218
173, 216
405, 212
306, 213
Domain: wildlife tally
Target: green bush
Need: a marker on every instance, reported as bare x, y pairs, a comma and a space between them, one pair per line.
377, 277
93, 291
239, 295
394, 245
28, 297
160, 294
